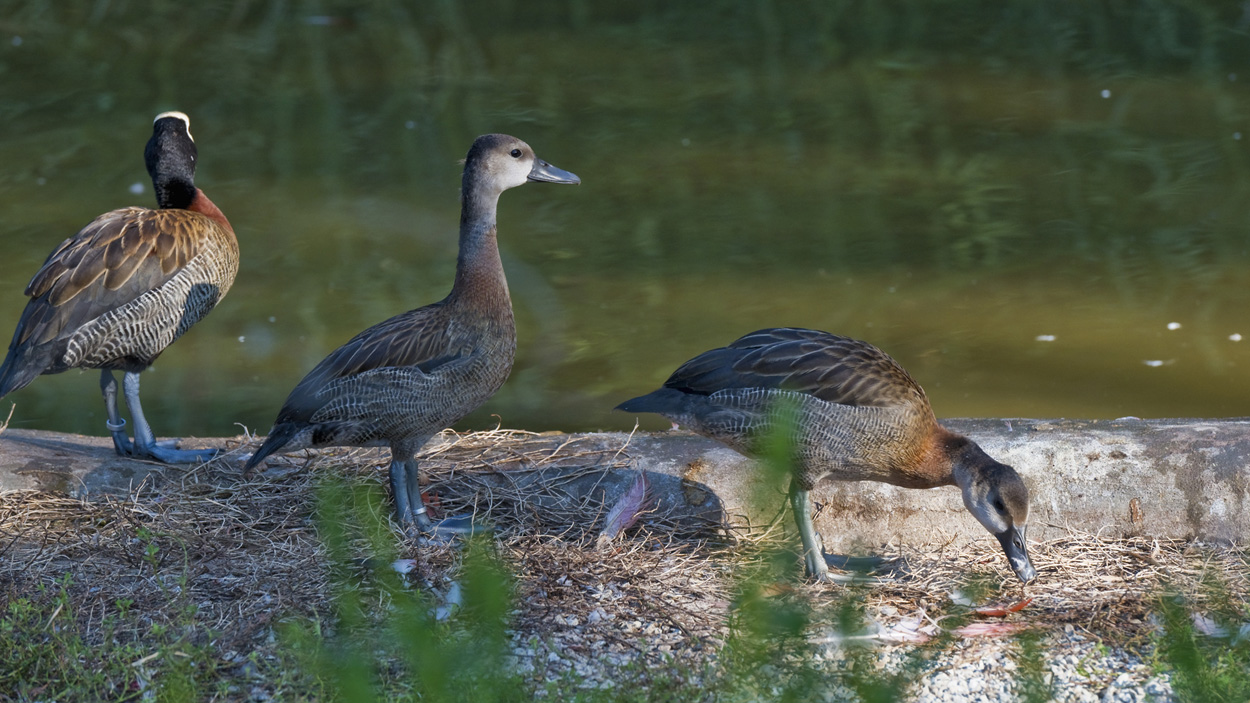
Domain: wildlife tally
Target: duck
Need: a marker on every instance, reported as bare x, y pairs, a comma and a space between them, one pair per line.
850, 413
126, 286
403, 380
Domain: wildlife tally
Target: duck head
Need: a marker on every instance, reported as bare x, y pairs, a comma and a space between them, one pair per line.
996, 495
170, 157
497, 162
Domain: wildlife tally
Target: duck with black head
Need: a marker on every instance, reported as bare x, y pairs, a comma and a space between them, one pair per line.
403, 380
115, 295
849, 413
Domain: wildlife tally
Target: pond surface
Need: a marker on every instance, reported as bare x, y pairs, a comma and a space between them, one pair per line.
1040, 210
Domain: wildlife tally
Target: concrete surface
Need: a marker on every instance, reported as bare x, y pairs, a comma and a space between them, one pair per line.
73, 464
1184, 479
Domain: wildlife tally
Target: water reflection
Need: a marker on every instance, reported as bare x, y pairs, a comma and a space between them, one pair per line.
950, 185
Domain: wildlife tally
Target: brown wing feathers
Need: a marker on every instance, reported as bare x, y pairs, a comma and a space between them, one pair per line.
829, 367
417, 338
117, 258
116, 245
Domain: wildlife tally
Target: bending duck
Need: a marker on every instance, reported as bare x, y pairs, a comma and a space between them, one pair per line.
113, 296
401, 381
853, 414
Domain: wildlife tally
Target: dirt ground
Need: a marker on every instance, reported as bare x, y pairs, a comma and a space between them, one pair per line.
248, 555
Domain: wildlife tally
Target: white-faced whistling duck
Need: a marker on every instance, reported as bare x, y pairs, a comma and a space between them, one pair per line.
401, 381
848, 412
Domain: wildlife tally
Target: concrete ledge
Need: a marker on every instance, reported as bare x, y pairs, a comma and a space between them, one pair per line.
73, 464
1171, 479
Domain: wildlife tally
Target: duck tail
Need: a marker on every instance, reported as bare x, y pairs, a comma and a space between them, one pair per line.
668, 402
18, 371
277, 439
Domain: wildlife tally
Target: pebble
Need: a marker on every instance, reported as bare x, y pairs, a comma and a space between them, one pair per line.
1076, 669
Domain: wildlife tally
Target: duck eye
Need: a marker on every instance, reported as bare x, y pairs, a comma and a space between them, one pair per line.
516, 153
999, 506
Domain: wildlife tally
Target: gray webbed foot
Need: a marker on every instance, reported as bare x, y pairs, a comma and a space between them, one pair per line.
165, 452
444, 531
144, 445
863, 565
455, 526
862, 569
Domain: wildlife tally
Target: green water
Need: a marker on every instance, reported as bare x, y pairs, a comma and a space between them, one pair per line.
949, 180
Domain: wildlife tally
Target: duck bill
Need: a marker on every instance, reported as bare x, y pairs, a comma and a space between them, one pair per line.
545, 172
1013, 543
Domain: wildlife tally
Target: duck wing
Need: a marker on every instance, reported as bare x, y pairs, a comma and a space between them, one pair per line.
112, 261
423, 339
827, 366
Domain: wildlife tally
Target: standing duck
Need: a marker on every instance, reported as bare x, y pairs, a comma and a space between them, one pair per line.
401, 381
113, 296
851, 413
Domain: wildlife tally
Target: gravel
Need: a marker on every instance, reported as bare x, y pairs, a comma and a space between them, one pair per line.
1077, 669
613, 641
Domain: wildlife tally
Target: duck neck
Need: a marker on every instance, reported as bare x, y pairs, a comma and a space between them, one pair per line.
174, 191
942, 463
201, 204
479, 270
966, 460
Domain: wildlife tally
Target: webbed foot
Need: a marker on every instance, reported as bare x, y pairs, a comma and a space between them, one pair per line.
861, 568
167, 453
445, 530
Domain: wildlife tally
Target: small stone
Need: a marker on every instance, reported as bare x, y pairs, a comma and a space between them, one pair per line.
1082, 695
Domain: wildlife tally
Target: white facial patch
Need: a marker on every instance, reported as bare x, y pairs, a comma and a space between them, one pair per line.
516, 170
978, 503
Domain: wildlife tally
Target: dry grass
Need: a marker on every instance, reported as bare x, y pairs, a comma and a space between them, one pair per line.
247, 554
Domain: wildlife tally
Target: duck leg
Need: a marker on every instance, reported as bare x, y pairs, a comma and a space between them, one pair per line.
406, 484
816, 560
115, 423
448, 527
399, 489
145, 444
813, 548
